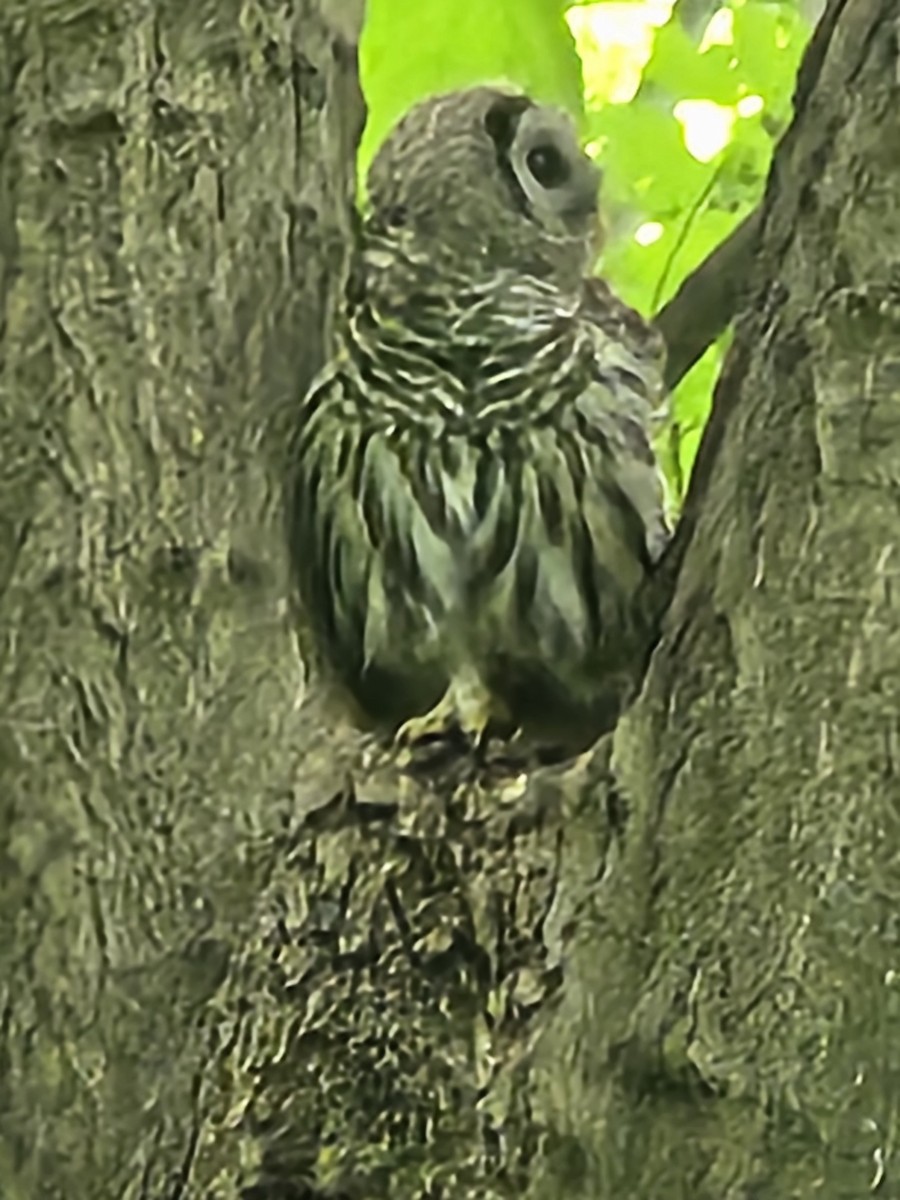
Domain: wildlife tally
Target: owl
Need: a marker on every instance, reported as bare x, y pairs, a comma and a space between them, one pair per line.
473, 505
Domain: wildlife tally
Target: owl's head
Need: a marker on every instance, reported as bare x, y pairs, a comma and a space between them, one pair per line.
485, 179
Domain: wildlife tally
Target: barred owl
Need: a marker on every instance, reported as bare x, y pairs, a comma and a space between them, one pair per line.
473, 503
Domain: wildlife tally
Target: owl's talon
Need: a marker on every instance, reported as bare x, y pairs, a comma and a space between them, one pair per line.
464, 713
433, 726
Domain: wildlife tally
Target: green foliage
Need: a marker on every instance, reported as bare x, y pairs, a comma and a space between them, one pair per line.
666, 206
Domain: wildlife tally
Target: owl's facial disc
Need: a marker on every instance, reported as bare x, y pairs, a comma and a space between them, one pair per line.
550, 179
486, 180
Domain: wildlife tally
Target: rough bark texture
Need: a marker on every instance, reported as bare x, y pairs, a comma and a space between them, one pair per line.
175, 186
731, 1017
226, 973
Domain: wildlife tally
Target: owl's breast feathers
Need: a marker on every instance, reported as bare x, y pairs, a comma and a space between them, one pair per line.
473, 481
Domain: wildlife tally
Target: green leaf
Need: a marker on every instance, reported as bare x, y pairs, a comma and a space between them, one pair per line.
691, 403
641, 150
768, 43
678, 69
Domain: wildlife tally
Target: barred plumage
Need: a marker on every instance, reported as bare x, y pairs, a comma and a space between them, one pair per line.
473, 501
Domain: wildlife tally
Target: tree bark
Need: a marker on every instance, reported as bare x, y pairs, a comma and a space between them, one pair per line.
175, 192
731, 1022
241, 954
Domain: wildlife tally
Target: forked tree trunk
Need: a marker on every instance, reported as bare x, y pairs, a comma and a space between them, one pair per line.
224, 972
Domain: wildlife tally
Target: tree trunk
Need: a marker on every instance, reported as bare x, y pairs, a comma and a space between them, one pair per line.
175, 188
667, 969
731, 1016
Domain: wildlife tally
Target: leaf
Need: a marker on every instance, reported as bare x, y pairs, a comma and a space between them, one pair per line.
768, 43
679, 69
641, 150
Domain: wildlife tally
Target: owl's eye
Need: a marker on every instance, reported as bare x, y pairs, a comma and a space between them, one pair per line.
547, 166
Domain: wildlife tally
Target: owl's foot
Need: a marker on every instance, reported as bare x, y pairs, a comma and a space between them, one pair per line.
464, 713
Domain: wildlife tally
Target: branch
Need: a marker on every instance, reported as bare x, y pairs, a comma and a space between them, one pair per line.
707, 300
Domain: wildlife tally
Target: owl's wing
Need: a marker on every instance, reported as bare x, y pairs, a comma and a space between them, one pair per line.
356, 534
629, 340
627, 401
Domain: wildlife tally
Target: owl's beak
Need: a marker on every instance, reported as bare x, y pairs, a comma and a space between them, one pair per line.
585, 197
